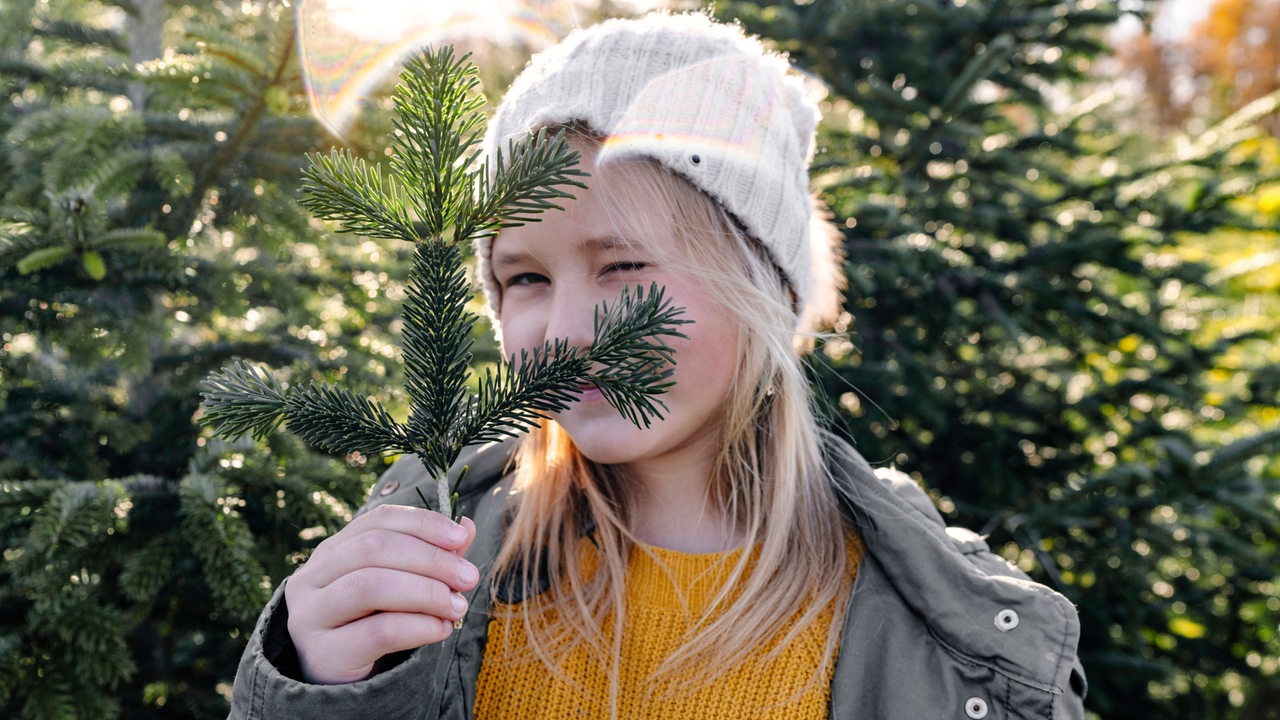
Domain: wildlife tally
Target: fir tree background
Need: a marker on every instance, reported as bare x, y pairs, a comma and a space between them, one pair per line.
151, 233
1031, 334
1062, 322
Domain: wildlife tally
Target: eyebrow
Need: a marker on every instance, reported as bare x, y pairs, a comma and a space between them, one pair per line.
603, 242
608, 242
500, 259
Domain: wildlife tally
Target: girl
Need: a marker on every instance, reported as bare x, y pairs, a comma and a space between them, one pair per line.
731, 560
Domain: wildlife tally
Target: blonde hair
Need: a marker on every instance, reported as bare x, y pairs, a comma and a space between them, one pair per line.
769, 478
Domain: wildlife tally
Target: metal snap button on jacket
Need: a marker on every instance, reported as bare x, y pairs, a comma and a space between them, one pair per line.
976, 708
1006, 620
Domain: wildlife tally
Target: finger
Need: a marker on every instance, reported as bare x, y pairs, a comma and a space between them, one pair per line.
357, 646
389, 549
424, 524
369, 590
427, 525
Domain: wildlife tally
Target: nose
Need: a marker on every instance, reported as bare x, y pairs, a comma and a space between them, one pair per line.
571, 317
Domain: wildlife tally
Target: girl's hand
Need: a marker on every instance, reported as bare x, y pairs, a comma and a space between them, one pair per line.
389, 581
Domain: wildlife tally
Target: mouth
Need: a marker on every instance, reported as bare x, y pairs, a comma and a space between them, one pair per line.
587, 392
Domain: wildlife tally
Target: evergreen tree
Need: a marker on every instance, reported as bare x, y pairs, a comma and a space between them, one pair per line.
1022, 333
149, 234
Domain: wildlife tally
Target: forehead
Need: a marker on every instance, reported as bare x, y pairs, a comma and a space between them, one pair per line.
611, 214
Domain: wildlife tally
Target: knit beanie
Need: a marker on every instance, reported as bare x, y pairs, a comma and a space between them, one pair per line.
699, 97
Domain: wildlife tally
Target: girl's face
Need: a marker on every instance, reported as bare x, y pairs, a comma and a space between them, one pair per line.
554, 272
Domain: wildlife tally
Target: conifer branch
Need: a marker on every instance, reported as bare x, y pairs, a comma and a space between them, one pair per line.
433, 180
346, 189
527, 180
513, 397
439, 121
636, 364
340, 421
243, 399
437, 338
635, 367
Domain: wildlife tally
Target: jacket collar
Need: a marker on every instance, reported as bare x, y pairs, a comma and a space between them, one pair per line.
967, 596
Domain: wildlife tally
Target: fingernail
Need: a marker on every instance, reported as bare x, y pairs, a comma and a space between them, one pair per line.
459, 603
468, 573
456, 533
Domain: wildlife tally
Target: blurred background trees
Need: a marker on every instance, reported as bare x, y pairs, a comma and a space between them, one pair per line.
149, 233
1062, 317
1226, 59
1059, 323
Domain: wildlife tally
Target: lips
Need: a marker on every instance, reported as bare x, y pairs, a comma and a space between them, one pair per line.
587, 392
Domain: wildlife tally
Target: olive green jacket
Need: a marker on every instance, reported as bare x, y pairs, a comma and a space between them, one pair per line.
938, 626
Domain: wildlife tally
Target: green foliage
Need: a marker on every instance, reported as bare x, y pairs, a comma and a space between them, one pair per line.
1068, 332
1023, 329
435, 179
114, 586
150, 233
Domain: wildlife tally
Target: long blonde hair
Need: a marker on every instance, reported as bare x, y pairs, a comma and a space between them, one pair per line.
768, 478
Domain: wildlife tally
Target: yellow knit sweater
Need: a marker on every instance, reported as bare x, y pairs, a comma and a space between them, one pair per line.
665, 592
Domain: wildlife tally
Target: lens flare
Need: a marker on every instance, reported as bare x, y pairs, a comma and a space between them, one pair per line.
720, 105
351, 47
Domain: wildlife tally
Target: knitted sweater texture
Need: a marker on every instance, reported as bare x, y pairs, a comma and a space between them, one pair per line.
667, 593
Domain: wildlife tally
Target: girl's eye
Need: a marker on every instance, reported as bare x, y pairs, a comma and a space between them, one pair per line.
528, 278
629, 266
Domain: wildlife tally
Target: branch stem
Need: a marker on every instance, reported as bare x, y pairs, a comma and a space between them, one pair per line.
443, 494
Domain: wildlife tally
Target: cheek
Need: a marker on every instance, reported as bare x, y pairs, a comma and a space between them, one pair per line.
523, 327
510, 339
711, 351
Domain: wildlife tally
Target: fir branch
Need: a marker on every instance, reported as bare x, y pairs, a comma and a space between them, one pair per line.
130, 239
527, 180
243, 399
636, 362
51, 697
69, 523
340, 421
80, 34
439, 120
347, 189
224, 50
145, 572
23, 215
114, 175
635, 367
513, 397
211, 170
43, 258
980, 67
223, 545
438, 127
437, 338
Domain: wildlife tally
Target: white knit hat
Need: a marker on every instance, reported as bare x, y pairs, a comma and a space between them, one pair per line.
702, 99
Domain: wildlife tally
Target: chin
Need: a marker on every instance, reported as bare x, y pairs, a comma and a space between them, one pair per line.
616, 456
606, 452
607, 440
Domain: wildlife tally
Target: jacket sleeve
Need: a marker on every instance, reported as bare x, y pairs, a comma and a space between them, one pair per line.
266, 684
405, 686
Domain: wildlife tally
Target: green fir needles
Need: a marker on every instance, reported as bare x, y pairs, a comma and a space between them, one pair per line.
438, 196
